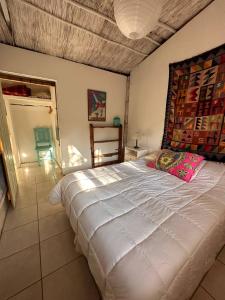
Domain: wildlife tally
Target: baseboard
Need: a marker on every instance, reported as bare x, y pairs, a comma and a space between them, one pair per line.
3, 212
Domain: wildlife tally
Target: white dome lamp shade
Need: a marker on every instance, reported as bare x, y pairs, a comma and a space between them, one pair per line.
136, 18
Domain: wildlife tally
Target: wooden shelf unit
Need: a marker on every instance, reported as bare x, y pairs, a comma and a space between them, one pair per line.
119, 153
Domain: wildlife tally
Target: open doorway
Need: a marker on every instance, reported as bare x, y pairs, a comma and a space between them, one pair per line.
32, 120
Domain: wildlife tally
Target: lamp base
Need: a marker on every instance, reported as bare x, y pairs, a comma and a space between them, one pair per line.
136, 146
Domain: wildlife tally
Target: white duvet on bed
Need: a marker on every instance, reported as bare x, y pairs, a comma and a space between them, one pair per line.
146, 234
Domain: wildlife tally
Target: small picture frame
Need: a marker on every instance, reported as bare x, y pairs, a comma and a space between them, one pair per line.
96, 105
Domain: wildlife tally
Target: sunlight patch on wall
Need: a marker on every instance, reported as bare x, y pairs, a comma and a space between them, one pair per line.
75, 157
98, 154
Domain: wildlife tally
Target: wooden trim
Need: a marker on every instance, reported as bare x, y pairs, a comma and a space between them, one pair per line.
103, 126
126, 113
107, 163
107, 154
106, 141
26, 79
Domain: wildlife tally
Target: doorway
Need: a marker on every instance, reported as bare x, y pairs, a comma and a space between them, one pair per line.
31, 107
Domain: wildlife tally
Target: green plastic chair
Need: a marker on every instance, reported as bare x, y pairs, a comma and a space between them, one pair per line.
43, 141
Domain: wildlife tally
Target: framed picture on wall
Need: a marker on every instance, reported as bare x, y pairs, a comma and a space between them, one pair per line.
96, 105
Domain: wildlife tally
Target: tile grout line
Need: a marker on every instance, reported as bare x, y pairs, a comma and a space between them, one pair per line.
69, 262
39, 239
207, 292
28, 286
35, 220
36, 243
219, 260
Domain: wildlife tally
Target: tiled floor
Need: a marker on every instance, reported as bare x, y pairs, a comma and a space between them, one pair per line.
37, 255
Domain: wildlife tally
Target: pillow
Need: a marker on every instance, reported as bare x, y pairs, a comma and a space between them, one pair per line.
179, 164
198, 169
151, 158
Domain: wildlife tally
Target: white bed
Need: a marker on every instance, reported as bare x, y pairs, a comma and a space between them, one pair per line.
147, 235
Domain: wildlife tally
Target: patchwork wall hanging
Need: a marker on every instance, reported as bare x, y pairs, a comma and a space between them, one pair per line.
195, 108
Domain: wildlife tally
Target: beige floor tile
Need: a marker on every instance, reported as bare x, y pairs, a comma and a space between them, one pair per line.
19, 271
221, 256
201, 294
27, 188
26, 200
43, 198
214, 282
46, 209
25, 191
57, 251
73, 281
43, 178
34, 292
53, 225
18, 217
45, 186
18, 239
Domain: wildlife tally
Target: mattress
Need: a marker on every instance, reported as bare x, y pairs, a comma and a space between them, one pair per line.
146, 234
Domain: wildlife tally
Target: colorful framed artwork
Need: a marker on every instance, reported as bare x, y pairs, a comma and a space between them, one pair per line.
195, 111
96, 105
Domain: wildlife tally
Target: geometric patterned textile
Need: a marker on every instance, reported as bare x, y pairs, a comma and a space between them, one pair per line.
195, 109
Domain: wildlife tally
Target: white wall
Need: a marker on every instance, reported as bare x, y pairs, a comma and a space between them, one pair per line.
25, 119
149, 80
72, 81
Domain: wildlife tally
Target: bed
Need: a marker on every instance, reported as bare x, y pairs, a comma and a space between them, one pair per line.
146, 234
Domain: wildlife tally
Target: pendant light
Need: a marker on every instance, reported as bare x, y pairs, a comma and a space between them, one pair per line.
136, 18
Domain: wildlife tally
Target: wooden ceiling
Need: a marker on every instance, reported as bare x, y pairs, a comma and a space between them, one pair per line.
85, 31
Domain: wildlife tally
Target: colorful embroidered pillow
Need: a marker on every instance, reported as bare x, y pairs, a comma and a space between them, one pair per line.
179, 164
151, 158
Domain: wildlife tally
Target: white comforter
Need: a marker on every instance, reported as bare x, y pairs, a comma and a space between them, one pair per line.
146, 234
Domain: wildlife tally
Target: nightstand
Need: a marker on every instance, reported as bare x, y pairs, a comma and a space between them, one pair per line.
132, 153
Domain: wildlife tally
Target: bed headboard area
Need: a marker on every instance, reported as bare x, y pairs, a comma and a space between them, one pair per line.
195, 107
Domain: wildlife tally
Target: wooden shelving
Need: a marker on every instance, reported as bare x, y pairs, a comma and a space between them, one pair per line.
118, 153
106, 141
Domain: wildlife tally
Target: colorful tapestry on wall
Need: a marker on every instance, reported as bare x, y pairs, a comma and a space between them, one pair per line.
195, 108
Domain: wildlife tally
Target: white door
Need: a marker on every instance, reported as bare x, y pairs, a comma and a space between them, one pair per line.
7, 152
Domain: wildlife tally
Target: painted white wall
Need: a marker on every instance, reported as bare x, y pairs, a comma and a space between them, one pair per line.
25, 119
149, 80
72, 80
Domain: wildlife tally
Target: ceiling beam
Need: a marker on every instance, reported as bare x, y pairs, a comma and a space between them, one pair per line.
104, 17
82, 28
167, 27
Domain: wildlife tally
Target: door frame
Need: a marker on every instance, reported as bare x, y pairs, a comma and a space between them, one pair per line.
22, 100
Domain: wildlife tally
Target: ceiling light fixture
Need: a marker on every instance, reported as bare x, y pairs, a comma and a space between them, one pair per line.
136, 18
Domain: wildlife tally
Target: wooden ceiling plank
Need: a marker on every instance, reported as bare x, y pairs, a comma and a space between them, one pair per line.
167, 27
82, 28
90, 10
5, 12
100, 15
153, 41
5, 32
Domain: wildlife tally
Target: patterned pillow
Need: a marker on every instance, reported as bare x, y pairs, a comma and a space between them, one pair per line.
179, 164
151, 158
